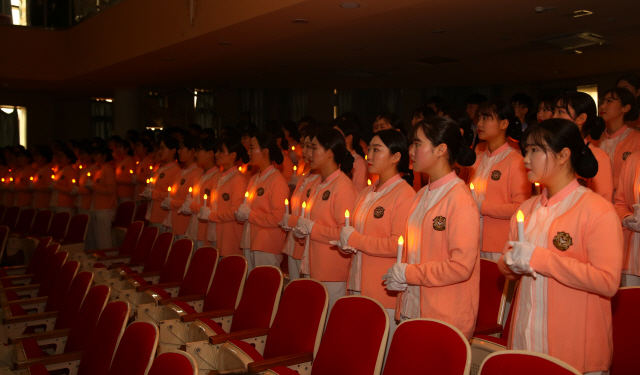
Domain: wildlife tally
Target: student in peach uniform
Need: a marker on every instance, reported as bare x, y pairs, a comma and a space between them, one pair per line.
324, 215
286, 168
627, 205
618, 108
570, 258
23, 182
104, 203
162, 179
440, 276
379, 219
226, 196
262, 238
61, 200
42, 157
182, 181
125, 185
351, 133
84, 195
580, 108
498, 175
198, 231
144, 169
293, 246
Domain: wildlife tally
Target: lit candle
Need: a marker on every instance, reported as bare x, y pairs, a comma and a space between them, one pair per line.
293, 148
131, 171
190, 190
400, 244
151, 167
2, 179
369, 182
137, 162
88, 174
80, 166
286, 204
150, 182
473, 190
53, 177
147, 181
246, 195
304, 208
169, 192
365, 157
73, 180
520, 218
205, 200
31, 178
295, 168
10, 179
537, 188
240, 169
346, 218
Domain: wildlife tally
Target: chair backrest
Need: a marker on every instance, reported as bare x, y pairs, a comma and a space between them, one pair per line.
3, 209
201, 270
507, 324
260, 299
177, 261
40, 254
77, 229
4, 233
38, 369
144, 245
352, 345
11, 217
100, 348
299, 322
141, 212
51, 270
25, 220
124, 215
522, 362
136, 349
493, 292
428, 346
131, 238
227, 284
59, 225
41, 223
73, 300
82, 328
60, 285
174, 362
158, 255
626, 329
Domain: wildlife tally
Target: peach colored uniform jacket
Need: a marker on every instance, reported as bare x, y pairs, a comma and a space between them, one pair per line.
161, 181
85, 196
580, 280
286, 168
125, 188
359, 172
448, 272
10, 196
24, 195
208, 185
602, 183
385, 222
304, 188
626, 197
144, 170
104, 188
625, 147
41, 182
326, 262
229, 197
267, 210
187, 178
63, 186
506, 188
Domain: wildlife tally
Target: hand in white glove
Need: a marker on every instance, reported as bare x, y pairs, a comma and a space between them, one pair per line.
185, 209
395, 277
166, 204
74, 190
519, 256
345, 233
303, 228
204, 213
243, 212
88, 184
147, 193
284, 224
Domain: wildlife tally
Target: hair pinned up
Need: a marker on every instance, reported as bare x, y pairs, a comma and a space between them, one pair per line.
502, 110
581, 103
396, 142
233, 144
332, 139
439, 130
268, 141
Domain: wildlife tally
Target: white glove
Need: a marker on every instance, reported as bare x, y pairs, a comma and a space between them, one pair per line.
204, 213
74, 190
303, 228
395, 277
243, 212
88, 184
519, 256
134, 178
345, 233
284, 224
166, 204
185, 209
632, 222
147, 193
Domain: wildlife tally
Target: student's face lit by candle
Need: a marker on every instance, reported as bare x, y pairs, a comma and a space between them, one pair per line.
166, 154
257, 155
381, 124
424, 155
543, 165
379, 157
185, 154
223, 158
544, 112
490, 127
319, 157
306, 150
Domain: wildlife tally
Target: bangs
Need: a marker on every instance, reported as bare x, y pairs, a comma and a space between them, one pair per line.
535, 136
488, 109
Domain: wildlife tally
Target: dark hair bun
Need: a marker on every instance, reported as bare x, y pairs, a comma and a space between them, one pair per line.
346, 164
278, 157
587, 165
514, 130
597, 129
466, 157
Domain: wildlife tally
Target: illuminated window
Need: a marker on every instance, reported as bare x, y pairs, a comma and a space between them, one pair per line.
18, 12
592, 90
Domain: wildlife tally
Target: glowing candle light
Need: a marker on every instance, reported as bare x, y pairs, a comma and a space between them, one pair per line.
147, 181
520, 218
137, 162
205, 200
295, 168
365, 157
31, 178
73, 180
151, 167
169, 192
131, 171
346, 218
304, 208
246, 195
190, 190
2, 179
473, 190
537, 188
80, 166
53, 176
400, 244
10, 179
286, 204
88, 174
369, 182
240, 169
293, 148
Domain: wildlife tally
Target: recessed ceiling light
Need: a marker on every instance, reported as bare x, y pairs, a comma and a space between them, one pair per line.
439, 31
350, 5
582, 13
300, 20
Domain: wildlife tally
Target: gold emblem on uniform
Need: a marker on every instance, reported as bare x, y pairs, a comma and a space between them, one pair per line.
225, 196
439, 223
161, 175
308, 193
582, 181
495, 175
562, 241
626, 155
207, 191
326, 195
260, 191
182, 181
378, 212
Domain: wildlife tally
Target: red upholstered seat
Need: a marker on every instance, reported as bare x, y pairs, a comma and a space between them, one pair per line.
25, 220
130, 240
200, 272
40, 254
38, 369
135, 350
59, 224
124, 215
144, 245
188, 309
4, 233
173, 363
626, 330
10, 217
77, 229
41, 223
32, 349
72, 302
158, 255
524, 363
260, 296
141, 212
492, 286
227, 284
215, 327
249, 349
177, 261
45, 279
427, 346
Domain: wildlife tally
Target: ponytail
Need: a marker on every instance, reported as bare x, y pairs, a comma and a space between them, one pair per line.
439, 130
502, 110
332, 139
581, 103
233, 144
268, 141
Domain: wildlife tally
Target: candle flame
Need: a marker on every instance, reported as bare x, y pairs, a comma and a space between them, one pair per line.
295, 168
53, 176
472, 187
304, 204
151, 179
131, 171
240, 169
400, 241
2, 179
205, 196
368, 182
286, 202
366, 157
89, 174
520, 216
169, 189
150, 167
346, 213
80, 166
137, 162
147, 180
73, 180
11, 179
190, 190
537, 184
246, 194
293, 148
31, 178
